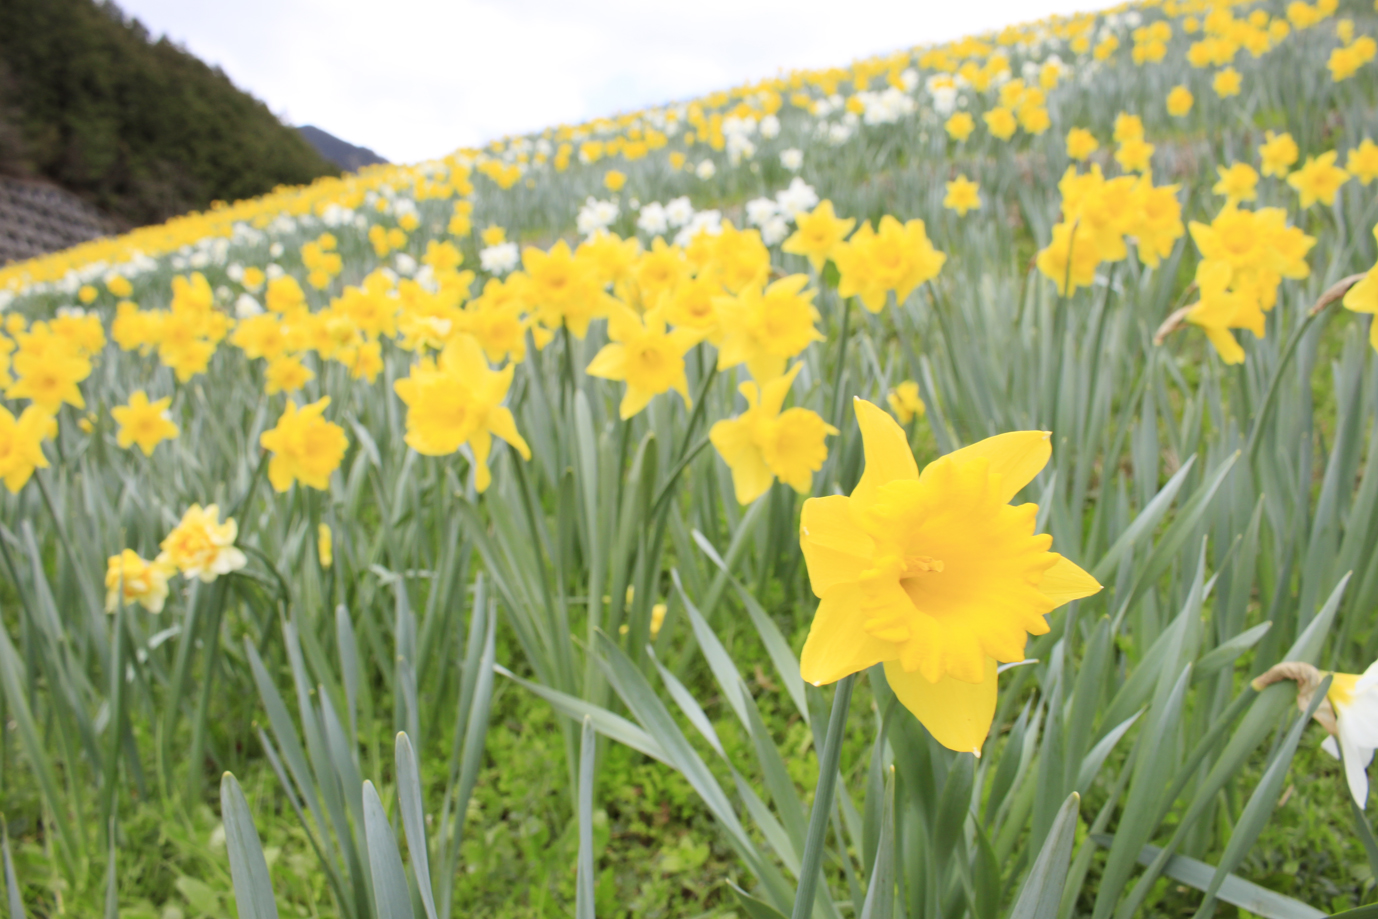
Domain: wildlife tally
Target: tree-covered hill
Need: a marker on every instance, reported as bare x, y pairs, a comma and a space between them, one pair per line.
140, 128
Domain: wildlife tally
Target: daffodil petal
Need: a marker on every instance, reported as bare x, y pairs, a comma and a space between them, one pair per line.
634, 400
609, 363
888, 456
837, 644
836, 550
1066, 581
957, 714
773, 392
1016, 457
751, 478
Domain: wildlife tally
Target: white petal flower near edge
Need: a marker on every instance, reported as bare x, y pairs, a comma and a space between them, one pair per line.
1349, 714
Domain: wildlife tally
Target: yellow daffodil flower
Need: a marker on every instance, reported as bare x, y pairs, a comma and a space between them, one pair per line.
905, 402
306, 448
644, 354
933, 574
286, 373
1227, 83
763, 327
962, 195
1259, 247
1318, 179
1179, 101
562, 289
47, 369
1362, 162
144, 423
896, 257
736, 259
1001, 122
1128, 127
1070, 259
1238, 182
659, 272
200, 546
131, 579
1134, 154
456, 400
1278, 153
21, 444
818, 233
959, 126
1220, 309
764, 443
1363, 298
1081, 143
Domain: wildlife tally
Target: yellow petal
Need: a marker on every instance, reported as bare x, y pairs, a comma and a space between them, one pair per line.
609, 363
1065, 582
835, 548
888, 456
1226, 346
501, 423
634, 400
773, 392
837, 644
1016, 457
751, 478
957, 714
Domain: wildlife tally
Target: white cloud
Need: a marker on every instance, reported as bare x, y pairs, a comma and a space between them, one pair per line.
414, 79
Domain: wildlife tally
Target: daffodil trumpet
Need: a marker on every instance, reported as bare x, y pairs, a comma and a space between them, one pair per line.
933, 574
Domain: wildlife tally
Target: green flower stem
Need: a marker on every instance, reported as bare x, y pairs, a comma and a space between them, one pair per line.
823, 800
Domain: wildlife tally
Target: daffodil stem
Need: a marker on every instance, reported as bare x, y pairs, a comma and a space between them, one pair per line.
248, 495
823, 800
697, 412
838, 402
110, 777
97, 617
1261, 419
198, 729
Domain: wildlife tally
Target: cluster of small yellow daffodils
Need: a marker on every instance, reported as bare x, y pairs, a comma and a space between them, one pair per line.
200, 546
43, 363
1099, 215
933, 574
1244, 257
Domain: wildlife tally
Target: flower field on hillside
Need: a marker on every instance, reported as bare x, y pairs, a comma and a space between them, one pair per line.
941, 486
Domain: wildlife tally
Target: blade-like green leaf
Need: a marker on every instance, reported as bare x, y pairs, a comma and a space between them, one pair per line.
253, 891
607, 724
756, 909
391, 898
1261, 803
414, 819
1234, 890
12, 895
1041, 894
880, 893
584, 906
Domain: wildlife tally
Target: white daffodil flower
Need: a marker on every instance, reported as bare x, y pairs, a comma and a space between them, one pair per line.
1349, 714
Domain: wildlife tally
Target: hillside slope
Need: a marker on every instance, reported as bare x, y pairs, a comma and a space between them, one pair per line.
340, 152
140, 128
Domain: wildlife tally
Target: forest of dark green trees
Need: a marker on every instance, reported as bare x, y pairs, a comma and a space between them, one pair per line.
139, 127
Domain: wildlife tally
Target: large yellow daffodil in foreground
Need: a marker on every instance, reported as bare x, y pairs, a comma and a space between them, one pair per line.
933, 574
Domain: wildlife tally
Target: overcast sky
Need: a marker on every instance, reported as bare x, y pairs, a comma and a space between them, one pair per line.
414, 79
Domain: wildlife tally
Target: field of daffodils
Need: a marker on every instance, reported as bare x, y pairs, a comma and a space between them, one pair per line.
943, 486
